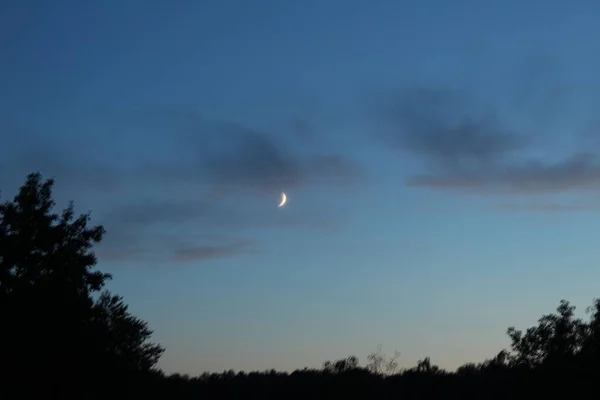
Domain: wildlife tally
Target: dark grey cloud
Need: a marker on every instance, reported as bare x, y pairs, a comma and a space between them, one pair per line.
234, 158
254, 160
151, 211
439, 123
580, 171
545, 207
213, 153
133, 216
120, 246
139, 196
209, 252
434, 125
465, 147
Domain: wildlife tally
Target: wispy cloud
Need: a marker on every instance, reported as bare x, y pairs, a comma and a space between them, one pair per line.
256, 160
579, 171
219, 154
164, 248
545, 207
142, 194
209, 252
464, 148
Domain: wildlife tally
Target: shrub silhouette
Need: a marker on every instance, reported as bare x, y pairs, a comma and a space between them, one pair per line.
63, 336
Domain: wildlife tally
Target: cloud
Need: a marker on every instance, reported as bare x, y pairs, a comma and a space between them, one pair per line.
209, 252
256, 161
164, 248
136, 230
433, 124
208, 153
544, 207
579, 171
133, 215
192, 180
452, 144
217, 213
462, 147
233, 158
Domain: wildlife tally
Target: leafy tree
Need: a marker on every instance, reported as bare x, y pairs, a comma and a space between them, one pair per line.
590, 347
125, 336
54, 324
555, 341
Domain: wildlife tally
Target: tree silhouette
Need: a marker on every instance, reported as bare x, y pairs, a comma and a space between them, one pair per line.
425, 367
379, 364
62, 335
555, 342
125, 336
590, 346
341, 366
55, 328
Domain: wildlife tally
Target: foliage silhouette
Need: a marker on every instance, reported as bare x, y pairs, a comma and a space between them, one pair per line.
56, 330
380, 364
63, 336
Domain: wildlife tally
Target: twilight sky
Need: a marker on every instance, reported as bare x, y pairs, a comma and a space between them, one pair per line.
441, 160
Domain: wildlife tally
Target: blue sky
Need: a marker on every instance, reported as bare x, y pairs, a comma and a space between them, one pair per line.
440, 160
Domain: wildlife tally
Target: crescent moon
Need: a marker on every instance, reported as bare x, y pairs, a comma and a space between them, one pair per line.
283, 200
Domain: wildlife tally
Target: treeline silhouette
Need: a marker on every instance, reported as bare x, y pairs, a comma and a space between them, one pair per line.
62, 335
